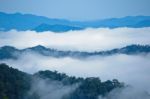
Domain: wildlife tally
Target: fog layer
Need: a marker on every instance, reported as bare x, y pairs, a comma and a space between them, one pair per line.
133, 70
46, 89
85, 40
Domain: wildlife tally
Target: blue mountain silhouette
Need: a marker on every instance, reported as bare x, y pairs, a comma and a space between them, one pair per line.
22, 22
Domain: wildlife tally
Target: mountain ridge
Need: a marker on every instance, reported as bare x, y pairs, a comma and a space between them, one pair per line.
8, 52
55, 28
15, 84
23, 22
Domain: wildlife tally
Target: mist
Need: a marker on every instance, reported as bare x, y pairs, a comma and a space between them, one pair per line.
91, 39
46, 89
133, 70
127, 93
130, 69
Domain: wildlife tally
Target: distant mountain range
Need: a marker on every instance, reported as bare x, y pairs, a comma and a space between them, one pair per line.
55, 28
8, 52
22, 22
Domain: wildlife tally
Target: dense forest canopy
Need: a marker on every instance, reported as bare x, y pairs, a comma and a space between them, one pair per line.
15, 84
9, 52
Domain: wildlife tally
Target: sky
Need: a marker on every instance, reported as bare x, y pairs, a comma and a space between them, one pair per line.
78, 9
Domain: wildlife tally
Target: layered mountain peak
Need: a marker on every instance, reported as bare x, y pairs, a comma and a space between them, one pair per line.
8, 51
55, 28
25, 22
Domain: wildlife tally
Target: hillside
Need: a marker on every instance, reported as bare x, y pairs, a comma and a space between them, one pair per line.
8, 52
15, 84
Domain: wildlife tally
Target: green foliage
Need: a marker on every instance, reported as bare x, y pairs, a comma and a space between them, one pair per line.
89, 88
92, 87
5, 97
15, 84
66, 80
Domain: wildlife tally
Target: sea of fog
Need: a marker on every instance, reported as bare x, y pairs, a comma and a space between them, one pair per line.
130, 69
84, 40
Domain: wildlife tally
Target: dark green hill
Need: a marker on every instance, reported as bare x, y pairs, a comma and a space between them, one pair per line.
15, 84
8, 52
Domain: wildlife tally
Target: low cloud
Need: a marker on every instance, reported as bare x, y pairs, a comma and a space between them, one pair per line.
46, 89
127, 93
85, 40
131, 69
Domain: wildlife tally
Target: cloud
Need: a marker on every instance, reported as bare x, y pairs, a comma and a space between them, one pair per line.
46, 89
131, 69
127, 93
85, 40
